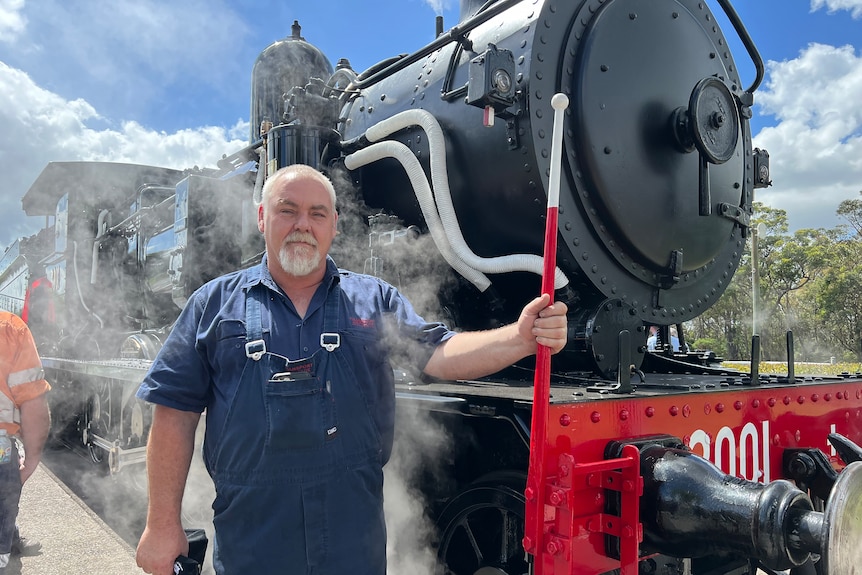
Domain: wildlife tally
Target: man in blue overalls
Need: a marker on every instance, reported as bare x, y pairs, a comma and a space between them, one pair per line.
288, 360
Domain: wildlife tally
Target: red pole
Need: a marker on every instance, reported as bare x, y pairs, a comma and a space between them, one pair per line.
536, 476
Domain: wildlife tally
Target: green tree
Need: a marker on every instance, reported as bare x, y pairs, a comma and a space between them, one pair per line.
787, 265
838, 293
851, 210
794, 263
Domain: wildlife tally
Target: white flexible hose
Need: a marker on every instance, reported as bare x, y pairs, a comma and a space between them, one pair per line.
442, 195
422, 188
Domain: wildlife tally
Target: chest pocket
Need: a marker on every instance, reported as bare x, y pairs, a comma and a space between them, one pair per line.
229, 356
300, 412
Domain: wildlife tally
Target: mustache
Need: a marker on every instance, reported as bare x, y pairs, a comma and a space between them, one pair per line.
303, 237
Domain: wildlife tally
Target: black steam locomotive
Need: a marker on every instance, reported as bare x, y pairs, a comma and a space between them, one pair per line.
442, 159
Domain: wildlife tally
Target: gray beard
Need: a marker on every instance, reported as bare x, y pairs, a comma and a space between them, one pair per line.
298, 266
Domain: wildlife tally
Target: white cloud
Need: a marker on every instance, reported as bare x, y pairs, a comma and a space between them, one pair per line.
134, 143
40, 126
135, 57
816, 148
12, 22
853, 6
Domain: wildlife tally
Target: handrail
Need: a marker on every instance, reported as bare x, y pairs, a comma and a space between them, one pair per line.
731, 14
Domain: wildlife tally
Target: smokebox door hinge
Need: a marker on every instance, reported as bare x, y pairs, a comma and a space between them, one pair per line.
734, 213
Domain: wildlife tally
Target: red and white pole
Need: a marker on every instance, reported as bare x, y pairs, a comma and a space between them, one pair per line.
535, 492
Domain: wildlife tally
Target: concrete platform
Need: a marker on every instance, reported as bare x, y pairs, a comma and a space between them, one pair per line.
75, 541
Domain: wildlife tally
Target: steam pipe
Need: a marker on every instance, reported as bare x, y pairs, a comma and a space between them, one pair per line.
78, 284
440, 183
101, 228
455, 34
138, 215
262, 152
422, 188
257, 196
226, 164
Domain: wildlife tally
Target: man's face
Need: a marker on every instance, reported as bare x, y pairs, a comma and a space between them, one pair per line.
298, 222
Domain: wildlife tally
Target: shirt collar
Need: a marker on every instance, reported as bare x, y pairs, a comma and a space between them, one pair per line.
260, 274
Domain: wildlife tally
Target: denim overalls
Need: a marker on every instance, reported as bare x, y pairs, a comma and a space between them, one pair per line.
298, 471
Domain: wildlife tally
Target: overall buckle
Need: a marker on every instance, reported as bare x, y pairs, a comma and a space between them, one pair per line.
330, 341
255, 349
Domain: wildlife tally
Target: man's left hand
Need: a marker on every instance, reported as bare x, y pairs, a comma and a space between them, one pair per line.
544, 324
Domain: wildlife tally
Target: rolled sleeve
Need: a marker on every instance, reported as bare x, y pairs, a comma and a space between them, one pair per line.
418, 338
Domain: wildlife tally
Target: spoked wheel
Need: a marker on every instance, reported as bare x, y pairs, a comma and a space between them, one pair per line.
482, 528
94, 421
92, 425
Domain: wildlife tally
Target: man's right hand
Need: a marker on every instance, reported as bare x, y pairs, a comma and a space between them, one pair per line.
169, 454
159, 548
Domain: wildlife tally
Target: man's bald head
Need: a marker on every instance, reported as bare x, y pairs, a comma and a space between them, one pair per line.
297, 172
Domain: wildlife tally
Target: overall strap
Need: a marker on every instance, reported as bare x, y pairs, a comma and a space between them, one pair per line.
255, 346
330, 339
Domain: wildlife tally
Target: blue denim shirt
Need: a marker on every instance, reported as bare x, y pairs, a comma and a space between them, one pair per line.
201, 361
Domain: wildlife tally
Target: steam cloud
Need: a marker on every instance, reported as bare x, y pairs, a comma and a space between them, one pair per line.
422, 446
419, 448
439, 5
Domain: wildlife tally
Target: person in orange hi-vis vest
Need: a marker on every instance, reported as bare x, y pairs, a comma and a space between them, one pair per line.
24, 424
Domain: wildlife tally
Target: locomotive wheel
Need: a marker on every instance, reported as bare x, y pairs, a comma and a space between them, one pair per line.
93, 420
482, 527
92, 425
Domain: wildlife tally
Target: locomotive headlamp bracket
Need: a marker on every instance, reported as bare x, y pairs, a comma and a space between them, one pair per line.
492, 79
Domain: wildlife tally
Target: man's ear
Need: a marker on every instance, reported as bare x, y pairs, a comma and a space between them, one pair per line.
260, 218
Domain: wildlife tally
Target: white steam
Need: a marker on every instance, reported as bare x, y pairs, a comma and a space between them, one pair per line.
439, 5
421, 446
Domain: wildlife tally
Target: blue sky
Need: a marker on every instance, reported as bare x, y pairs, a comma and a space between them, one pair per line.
167, 83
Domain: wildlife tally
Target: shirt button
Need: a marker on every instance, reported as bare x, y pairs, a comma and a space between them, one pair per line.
305, 349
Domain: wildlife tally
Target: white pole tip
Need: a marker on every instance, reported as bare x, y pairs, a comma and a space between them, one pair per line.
560, 102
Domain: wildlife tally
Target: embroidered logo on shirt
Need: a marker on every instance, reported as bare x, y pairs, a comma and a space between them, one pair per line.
359, 322
300, 367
